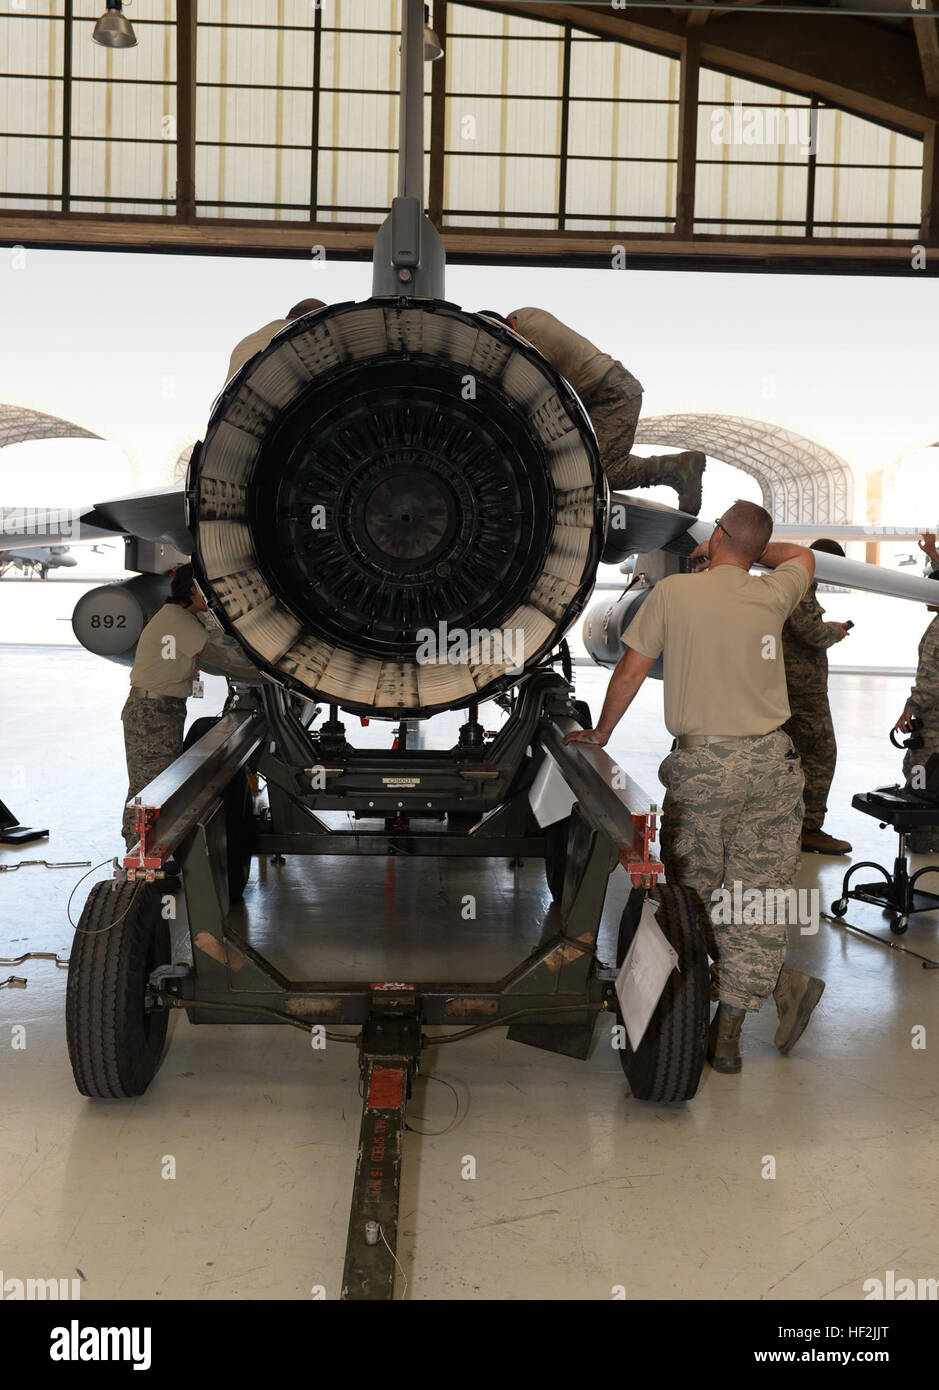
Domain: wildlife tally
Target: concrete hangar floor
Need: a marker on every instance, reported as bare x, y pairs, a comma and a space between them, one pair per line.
578, 1187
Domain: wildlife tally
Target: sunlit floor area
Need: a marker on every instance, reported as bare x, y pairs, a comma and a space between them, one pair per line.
803, 1177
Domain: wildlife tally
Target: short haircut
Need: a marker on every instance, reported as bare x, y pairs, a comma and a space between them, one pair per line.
750, 528
829, 547
305, 306
181, 586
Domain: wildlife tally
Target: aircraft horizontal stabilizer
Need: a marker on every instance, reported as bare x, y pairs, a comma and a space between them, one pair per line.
155, 516
648, 526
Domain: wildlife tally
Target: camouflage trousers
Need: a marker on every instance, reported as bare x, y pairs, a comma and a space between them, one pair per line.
811, 730
153, 738
731, 818
614, 408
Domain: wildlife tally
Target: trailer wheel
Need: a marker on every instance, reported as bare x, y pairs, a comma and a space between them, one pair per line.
239, 834
582, 714
198, 728
239, 811
556, 839
115, 1043
667, 1064
557, 836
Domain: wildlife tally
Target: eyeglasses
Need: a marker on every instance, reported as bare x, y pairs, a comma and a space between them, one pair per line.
724, 529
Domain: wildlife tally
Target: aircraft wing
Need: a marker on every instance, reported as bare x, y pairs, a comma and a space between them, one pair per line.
155, 516
650, 526
161, 516
806, 532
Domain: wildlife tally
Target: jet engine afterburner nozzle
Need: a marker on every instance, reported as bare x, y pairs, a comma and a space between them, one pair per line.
385, 471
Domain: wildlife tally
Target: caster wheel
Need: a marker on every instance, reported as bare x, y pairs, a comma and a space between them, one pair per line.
899, 926
839, 907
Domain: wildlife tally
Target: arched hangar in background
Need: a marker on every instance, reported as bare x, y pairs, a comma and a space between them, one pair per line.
800, 480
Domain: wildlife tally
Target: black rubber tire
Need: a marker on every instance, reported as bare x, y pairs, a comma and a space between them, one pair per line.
582, 714
239, 832
666, 1067
239, 812
839, 907
557, 836
198, 728
899, 924
115, 1044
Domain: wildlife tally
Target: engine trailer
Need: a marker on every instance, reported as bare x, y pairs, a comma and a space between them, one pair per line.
200, 827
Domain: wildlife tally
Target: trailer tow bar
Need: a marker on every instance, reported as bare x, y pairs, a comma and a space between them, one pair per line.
389, 1052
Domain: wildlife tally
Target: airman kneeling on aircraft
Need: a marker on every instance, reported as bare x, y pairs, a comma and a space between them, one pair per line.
612, 398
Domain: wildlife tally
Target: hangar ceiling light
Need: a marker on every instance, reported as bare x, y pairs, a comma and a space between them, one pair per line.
114, 29
432, 45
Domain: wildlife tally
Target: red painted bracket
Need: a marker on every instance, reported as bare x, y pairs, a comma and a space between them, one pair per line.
643, 867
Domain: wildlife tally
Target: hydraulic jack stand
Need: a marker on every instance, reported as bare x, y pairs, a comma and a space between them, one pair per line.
389, 1052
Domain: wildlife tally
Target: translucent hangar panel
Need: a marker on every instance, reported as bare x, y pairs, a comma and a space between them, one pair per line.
87, 129
776, 162
544, 125
549, 126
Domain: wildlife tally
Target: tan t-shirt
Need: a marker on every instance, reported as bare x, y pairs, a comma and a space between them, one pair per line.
168, 652
168, 667
576, 358
721, 635
252, 344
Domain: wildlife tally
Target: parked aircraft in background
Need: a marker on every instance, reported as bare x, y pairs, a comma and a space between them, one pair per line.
39, 561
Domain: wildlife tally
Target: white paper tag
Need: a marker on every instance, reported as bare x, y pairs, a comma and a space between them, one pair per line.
549, 796
198, 689
644, 974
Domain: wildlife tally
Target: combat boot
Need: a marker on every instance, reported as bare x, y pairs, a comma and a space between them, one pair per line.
682, 472
724, 1038
796, 995
818, 842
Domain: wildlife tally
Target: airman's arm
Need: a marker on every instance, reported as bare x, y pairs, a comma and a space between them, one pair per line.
631, 670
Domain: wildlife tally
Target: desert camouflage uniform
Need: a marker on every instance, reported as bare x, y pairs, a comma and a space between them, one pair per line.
153, 738
924, 702
733, 813
614, 408
806, 638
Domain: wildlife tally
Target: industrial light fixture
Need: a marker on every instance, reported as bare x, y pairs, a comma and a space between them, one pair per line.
114, 29
433, 48
432, 45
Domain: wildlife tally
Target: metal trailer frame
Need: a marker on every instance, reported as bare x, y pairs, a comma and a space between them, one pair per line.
551, 999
